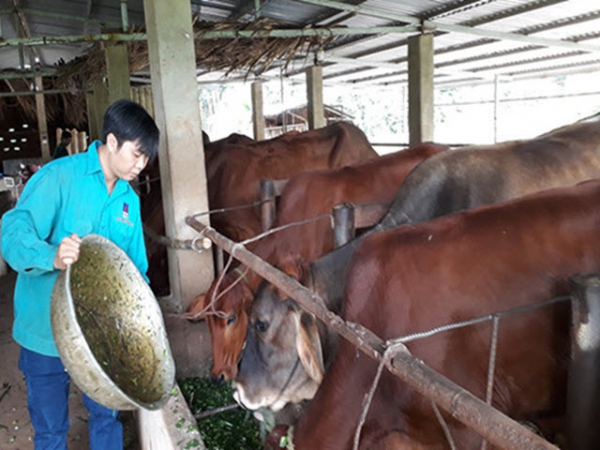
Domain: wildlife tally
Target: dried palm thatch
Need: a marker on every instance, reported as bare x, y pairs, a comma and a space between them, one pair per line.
252, 55
67, 109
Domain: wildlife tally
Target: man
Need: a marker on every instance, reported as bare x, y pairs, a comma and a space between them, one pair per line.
61, 149
67, 199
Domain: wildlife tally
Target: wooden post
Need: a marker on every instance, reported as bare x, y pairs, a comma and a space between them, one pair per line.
420, 88
117, 72
267, 207
258, 116
181, 154
41, 118
314, 94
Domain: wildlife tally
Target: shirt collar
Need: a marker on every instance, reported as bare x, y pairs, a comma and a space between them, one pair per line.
93, 166
93, 159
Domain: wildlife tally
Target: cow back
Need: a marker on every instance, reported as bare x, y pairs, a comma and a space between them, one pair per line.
473, 176
234, 175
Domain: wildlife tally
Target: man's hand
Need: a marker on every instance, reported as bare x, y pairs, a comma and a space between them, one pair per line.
68, 252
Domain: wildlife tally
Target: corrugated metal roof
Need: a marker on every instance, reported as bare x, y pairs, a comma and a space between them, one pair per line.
353, 58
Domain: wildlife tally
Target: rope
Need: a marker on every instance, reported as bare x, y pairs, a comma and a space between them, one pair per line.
367, 401
453, 326
289, 379
491, 368
444, 425
191, 244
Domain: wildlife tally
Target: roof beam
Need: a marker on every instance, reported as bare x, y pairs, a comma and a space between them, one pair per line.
251, 34
399, 67
124, 16
86, 17
430, 26
35, 56
52, 15
247, 8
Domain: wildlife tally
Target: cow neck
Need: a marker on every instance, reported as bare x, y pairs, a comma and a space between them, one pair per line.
329, 274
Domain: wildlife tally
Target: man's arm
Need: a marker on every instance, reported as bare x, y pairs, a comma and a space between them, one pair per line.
27, 227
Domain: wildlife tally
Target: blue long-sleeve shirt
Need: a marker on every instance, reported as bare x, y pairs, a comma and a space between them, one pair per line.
66, 196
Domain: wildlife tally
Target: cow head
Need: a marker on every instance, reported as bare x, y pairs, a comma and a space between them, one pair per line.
282, 360
224, 308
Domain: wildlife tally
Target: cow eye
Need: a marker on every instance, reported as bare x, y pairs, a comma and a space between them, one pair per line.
261, 326
231, 319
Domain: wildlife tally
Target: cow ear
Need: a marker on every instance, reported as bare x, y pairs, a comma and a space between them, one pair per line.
197, 309
308, 344
292, 265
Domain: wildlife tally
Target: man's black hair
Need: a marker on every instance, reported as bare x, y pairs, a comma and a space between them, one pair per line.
129, 121
65, 135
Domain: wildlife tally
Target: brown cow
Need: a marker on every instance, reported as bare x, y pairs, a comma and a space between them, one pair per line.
308, 195
415, 278
234, 172
153, 214
451, 181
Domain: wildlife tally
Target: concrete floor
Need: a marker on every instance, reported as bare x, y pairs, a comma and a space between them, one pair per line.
16, 432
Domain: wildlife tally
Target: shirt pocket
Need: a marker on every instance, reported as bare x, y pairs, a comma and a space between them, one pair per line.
121, 232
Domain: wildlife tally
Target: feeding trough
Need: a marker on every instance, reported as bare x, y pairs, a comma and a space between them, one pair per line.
109, 329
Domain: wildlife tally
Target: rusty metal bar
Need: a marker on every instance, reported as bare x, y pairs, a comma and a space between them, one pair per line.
343, 223
267, 205
493, 425
219, 260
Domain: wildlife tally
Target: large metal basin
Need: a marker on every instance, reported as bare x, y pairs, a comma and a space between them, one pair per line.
109, 329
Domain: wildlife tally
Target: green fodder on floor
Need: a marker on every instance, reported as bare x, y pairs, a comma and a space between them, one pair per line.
235, 429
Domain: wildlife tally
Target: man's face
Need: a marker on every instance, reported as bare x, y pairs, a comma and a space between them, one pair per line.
127, 161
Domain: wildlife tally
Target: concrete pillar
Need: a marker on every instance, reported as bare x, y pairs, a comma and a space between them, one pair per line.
420, 88
117, 72
40, 107
181, 154
258, 116
314, 95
